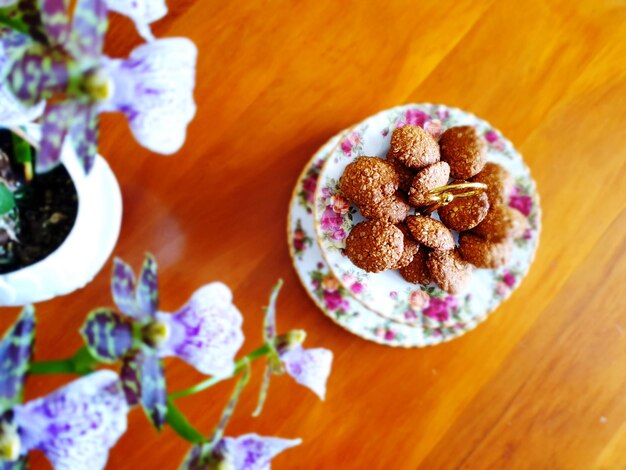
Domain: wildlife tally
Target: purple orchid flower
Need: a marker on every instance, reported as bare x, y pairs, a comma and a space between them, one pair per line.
12, 111
153, 87
205, 333
142, 12
75, 426
308, 367
247, 452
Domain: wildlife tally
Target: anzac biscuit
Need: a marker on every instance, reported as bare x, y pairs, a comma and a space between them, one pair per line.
417, 271
464, 213
368, 180
449, 271
430, 232
375, 245
464, 150
413, 147
499, 182
428, 178
484, 253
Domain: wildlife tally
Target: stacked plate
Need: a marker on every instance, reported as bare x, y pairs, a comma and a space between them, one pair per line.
383, 307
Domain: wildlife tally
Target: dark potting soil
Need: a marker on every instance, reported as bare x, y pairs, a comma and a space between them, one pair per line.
46, 208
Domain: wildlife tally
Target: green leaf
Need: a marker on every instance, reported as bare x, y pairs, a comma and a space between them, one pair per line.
179, 423
22, 152
7, 201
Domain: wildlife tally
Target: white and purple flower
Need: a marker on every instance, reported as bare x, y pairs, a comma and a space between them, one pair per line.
308, 367
205, 333
246, 452
74, 426
142, 12
153, 87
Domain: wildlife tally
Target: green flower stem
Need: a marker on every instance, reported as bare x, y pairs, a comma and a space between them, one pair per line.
239, 366
80, 363
13, 23
179, 423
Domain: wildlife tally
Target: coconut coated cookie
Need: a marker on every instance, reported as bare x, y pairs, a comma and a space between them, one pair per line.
375, 245
430, 232
464, 150
413, 147
464, 213
431, 177
484, 253
417, 271
498, 180
449, 271
393, 209
368, 180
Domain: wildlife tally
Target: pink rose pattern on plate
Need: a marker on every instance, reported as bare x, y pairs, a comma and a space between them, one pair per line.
306, 193
301, 240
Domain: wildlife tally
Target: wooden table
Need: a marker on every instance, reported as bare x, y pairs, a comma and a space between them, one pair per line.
542, 384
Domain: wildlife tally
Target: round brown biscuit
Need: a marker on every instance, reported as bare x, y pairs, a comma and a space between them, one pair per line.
449, 271
430, 232
411, 247
368, 180
375, 245
417, 271
501, 222
464, 213
431, 177
464, 150
413, 147
405, 176
393, 209
499, 182
484, 253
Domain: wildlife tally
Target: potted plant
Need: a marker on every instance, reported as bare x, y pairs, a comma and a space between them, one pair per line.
53, 70
49, 218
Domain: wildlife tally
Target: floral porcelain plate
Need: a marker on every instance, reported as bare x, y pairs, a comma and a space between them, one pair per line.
327, 292
387, 294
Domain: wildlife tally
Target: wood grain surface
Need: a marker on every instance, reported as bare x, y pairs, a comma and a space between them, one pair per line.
542, 384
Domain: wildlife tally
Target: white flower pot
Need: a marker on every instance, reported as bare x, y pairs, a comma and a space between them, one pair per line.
87, 246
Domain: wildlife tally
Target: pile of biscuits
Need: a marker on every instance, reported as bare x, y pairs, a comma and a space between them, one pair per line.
422, 248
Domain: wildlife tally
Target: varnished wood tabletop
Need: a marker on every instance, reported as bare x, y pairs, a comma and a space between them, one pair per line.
542, 384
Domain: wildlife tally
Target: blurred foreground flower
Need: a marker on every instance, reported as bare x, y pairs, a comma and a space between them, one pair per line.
142, 12
74, 426
66, 69
308, 367
205, 332
247, 452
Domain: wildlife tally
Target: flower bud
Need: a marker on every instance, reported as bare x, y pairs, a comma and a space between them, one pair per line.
10, 444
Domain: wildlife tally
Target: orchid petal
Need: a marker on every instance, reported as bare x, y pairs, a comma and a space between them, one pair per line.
76, 425
148, 288
56, 121
143, 379
36, 74
269, 323
107, 335
154, 88
206, 332
142, 12
16, 350
253, 452
55, 17
123, 288
309, 367
84, 133
89, 25
12, 111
